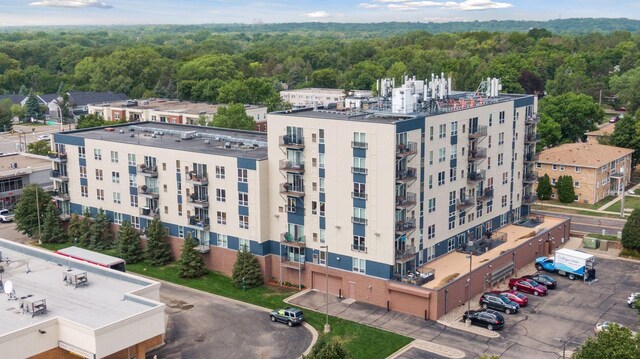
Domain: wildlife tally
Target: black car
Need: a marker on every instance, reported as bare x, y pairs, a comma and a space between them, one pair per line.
543, 279
488, 318
498, 302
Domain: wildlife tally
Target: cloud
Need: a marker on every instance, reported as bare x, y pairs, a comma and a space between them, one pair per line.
467, 5
401, 7
369, 6
318, 14
72, 3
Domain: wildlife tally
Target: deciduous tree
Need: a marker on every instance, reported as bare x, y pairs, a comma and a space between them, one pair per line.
575, 113
233, 116
41, 148
613, 342
27, 209
631, 231
627, 86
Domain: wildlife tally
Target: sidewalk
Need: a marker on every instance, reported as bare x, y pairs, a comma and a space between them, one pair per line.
619, 198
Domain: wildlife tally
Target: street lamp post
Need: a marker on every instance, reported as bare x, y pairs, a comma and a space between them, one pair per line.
621, 184
470, 256
327, 327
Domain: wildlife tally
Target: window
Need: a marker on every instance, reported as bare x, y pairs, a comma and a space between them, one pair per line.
359, 190
243, 244
553, 181
179, 209
442, 154
291, 205
323, 258
504, 201
454, 128
116, 198
501, 138
131, 159
321, 160
179, 188
322, 209
440, 178
321, 184
222, 217
180, 232
489, 142
561, 167
431, 253
242, 175
501, 118
221, 195
452, 221
451, 244
98, 174
133, 200
114, 156
358, 244
539, 165
576, 184
83, 172
117, 218
115, 177
320, 136
359, 140
323, 235
453, 173
505, 178
243, 221
442, 133
359, 165
97, 154
359, 265
223, 241
100, 194
430, 181
432, 205
490, 119
220, 172
133, 180
136, 222
81, 152
454, 152
178, 166
500, 159
359, 215
452, 198
479, 210
489, 207
430, 157
84, 191
578, 169
431, 231
554, 167
431, 133
462, 218
243, 199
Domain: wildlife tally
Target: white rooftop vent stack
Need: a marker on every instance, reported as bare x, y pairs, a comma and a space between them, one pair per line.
415, 100
425, 92
496, 87
488, 89
419, 86
443, 83
449, 89
401, 101
499, 87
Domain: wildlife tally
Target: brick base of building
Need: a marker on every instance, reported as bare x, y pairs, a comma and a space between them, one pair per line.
137, 351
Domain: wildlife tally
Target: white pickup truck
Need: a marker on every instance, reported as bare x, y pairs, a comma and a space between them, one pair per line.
6, 216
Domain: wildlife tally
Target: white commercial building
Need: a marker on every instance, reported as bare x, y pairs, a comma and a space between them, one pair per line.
320, 97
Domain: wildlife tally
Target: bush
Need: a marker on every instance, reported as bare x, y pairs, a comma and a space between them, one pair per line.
247, 267
631, 231
326, 348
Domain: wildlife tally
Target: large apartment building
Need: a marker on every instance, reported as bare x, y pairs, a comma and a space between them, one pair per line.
369, 196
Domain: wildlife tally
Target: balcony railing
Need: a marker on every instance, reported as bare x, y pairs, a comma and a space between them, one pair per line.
406, 149
356, 144
464, 203
530, 177
201, 222
359, 220
529, 199
358, 248
359, 195
148, 192
486, 195
291, 166
58, 176
295, 261
196, 178
477, 132
200, 201
148, 171
406, 201
476, 176
359, 170
532, 138
293, 142
531, 119
289, 239
60, 195
405, 255
531, 157
405, 226
58, 156
149, 212
477, 154
292, 190
410, 174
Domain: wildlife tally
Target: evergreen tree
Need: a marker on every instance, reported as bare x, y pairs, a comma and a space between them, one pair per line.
544, 189
74, 230
158, 251
327, 348
191, 264
32, 107
566, 192
129, 247
247, 267
84, 240
100, 234
631, 231
52, 231
27, 209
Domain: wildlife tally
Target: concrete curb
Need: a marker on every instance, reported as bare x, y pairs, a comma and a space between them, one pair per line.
314, 338
474, 330
430, 347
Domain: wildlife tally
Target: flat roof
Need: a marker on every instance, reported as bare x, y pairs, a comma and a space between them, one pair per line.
95, 257
329, 91
592, 155
456, 262
39, 274
174, 106
26, 164
148, 134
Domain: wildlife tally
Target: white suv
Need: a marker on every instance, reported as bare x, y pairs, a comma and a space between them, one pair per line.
6, 216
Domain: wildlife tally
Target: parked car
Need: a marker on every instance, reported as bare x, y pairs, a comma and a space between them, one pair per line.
6, 216
528, 286
488, 318
613, 119
633, 297
514, 296
291, 316
544, 279
498, 302
44, 137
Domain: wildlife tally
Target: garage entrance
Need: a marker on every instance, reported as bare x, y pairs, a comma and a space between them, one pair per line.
319, 283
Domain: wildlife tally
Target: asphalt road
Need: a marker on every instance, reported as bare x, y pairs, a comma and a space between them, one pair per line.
11, 143
590, 224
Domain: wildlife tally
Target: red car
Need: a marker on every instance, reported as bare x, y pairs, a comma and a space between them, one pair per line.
513, 296
527, 285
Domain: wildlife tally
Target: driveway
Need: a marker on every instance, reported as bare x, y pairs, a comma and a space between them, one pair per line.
203, 326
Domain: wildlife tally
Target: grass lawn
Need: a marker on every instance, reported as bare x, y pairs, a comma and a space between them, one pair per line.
605, 237
575, 211
597, 205
360, 340
629, 203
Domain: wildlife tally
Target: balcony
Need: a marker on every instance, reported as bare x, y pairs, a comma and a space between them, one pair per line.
65, 217
361, 145
405, 255
291, 166
530, 177
198, 201
477, 132
292, 142
359, 170
145, 191
532, 138
477, 154
464, 203
292, 190
199, 222
486, 195
198, 179
288, 239
358, 248
529, 199
531, 157
531, 120
406, 201
58, 157
474, 177
406, 226
56, 175
406, 149
293, 261
148, 171
359, 220
408, 175
149, 212
60, 196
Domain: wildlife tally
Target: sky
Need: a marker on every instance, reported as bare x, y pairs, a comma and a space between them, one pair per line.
117, 12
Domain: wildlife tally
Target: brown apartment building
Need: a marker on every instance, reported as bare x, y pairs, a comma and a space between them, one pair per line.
596, 169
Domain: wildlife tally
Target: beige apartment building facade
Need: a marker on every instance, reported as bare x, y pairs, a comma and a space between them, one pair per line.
597, 170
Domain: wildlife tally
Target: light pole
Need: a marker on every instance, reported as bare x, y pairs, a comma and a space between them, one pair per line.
470, 256
327, 327
621, 184
37, 187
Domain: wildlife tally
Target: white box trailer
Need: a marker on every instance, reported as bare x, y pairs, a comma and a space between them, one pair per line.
568, 262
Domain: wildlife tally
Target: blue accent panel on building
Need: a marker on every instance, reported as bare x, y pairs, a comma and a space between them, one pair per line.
243, 187
452, 208
379, 270
133, 170
172, 228
359, 178
68, 139
345, 262
126, 218
322, 172
359, 203
360, 152
411, 124
178, 177
441, 248
323, 197
321, 148
522, 102
308, 256
524, 210
75, 208
454, 140
247, 163
82, 162
453, 163
242, 210
323, 222
133, 191
84, 182
359, 229
295, 218
233, 243
109, 215
179, 199
144, 223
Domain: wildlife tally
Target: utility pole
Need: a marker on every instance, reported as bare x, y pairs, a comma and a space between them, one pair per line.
38, 213
327, 327
623, 190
